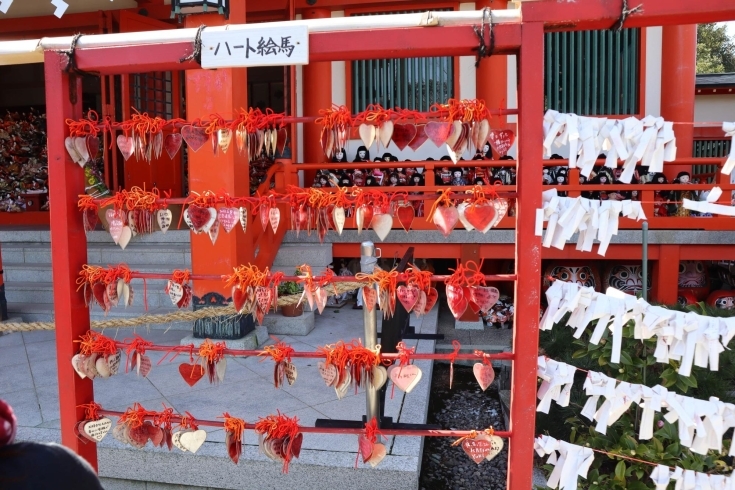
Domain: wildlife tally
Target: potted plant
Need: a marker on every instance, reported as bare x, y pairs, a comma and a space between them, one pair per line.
289, 288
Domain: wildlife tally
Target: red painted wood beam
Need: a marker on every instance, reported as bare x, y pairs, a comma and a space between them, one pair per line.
323, 46
69, 251
603, 14
528, 260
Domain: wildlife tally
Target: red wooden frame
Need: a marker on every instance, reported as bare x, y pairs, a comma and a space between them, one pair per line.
66, 179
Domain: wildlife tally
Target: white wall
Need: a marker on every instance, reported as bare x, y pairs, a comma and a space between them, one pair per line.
653, 71
714, 108
467, 79
339, 84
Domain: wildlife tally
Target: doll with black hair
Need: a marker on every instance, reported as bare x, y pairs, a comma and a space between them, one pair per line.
340, 156
486, 153
393, 180
561, 178
683, 178
661, 206
370, 181
603, 177
458, 177
582, 181
362, 155
345, 180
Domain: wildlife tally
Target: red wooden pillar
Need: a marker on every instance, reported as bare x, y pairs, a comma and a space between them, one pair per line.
527, 258
221, 91
69, 250
492, 74
678, 74
667, 274
316, 94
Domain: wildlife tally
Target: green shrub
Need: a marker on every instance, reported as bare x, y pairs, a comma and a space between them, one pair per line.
637, 365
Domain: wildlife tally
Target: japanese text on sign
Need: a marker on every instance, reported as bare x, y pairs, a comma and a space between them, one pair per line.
255, 47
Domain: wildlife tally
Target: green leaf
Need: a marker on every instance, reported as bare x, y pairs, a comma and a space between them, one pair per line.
680, 385
657, 445
625, 358
690, 381
602, 361
637, 485
620, 471
579, 353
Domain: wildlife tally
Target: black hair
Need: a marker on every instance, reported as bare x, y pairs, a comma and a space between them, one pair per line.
357, 154
32, 465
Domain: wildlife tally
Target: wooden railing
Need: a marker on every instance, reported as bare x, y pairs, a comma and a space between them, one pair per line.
646, 192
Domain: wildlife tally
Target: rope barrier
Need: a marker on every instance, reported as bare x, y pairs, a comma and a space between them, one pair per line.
179, 316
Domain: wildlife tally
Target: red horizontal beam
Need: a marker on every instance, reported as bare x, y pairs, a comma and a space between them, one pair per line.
401, 277
475, 356
332, 430
323, 46
407, 42
603, 14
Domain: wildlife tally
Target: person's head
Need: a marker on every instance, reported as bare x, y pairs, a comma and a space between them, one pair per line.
457, 174
393, 178
340, 155
683, 177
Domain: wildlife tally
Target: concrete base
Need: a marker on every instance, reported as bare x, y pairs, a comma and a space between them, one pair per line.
283, 325
461, 325
253, 340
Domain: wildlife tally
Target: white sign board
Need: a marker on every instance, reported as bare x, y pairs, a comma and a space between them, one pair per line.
255, 47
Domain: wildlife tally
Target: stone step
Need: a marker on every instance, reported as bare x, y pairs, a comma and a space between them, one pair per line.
172, 255
41, 272
10, 235
43, 292
291, 255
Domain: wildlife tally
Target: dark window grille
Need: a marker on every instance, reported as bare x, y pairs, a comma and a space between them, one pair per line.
153, 93
593, 72
410, 83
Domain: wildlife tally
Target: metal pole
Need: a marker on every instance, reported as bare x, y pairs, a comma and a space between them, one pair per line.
644, 269
368, 260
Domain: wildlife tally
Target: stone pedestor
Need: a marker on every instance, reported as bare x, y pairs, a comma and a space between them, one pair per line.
284, 325
462, 325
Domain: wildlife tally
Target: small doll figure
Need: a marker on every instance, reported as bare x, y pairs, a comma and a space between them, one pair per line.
660, 198
683, 178
340, 156
358, 177
502, 176
445, 175
486, 153
547, 178
418, 206
362, 155
371, 182
345, 180
378, 175
402, 178
458, 177
480, 174
561, 179
393, 179
387, 157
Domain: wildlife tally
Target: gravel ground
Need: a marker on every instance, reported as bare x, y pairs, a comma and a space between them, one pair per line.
463, 407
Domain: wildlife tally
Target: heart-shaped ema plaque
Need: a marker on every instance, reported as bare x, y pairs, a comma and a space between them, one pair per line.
405, 378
